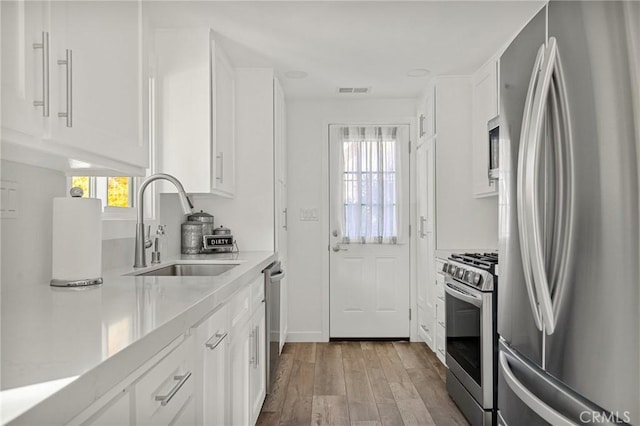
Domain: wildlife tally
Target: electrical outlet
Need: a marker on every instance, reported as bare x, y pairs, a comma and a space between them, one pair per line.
309, 214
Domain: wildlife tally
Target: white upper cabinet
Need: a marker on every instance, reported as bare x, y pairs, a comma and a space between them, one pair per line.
72, 84
484, 108
195, 102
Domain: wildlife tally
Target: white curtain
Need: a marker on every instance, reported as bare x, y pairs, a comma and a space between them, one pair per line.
366, 188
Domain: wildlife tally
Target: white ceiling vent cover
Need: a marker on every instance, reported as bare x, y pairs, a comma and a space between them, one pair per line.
354, 90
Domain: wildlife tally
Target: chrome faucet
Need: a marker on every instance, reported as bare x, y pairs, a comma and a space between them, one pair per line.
141, 242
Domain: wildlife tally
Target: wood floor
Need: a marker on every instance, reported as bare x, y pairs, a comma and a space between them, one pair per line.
359, 383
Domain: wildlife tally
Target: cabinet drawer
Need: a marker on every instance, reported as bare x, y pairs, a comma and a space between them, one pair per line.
425, 326
239, 308
441, 347
439, 287
441, 313
165, 393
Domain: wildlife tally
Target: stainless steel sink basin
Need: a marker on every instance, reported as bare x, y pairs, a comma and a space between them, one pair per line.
180, 270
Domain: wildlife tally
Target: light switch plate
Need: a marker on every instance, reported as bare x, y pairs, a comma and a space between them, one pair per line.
9, 199
309, 214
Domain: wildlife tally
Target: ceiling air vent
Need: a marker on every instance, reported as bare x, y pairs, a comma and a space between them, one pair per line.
354, 90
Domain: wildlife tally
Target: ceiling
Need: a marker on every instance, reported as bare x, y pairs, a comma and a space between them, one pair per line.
353, 43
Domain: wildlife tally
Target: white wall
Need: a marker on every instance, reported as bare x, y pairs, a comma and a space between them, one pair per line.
306, 133
250, 214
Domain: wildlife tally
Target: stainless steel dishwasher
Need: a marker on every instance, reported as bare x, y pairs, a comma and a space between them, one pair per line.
272, 276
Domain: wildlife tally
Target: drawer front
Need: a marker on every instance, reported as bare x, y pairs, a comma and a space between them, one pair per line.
439, 293
441, 313
166, 392
425, 326
441, 348
239, 307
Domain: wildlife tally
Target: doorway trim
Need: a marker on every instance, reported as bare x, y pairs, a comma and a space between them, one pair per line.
324, 210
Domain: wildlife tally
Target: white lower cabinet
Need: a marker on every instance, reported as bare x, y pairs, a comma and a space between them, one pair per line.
165, 395
239, 358
257, 370
212, 376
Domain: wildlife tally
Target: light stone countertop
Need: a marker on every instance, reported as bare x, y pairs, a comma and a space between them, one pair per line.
62, 349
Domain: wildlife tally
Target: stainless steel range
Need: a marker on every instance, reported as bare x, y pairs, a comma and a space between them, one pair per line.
470, 286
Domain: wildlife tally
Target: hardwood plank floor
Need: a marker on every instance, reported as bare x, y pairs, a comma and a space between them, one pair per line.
359, 383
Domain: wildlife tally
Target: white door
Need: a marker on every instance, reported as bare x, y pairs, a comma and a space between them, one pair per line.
369, 231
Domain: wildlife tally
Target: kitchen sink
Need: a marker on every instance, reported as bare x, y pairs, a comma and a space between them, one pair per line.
182, 270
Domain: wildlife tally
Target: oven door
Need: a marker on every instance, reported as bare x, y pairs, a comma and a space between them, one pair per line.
470, 340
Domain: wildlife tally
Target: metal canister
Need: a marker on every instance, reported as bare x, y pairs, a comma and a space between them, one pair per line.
205, 219
191, 242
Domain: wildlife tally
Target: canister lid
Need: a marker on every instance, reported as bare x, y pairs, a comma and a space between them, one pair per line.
201, 216
221, 230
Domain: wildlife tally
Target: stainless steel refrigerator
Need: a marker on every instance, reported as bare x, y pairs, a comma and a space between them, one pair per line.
568, 300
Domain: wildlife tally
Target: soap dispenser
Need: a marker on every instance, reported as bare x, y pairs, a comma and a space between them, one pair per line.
160, 244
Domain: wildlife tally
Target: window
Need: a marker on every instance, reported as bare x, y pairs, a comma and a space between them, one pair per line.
369, 185
115, 192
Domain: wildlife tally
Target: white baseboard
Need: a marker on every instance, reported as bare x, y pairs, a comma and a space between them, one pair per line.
305, 336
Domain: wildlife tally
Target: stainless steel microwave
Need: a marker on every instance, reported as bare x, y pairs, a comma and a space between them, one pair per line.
494, 139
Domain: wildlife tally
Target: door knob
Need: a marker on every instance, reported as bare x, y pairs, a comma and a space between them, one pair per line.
335, 233
337, 248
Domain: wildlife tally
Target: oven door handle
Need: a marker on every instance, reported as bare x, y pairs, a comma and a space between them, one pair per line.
463, 295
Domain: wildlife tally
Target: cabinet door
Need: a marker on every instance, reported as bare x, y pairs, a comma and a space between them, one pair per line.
24, 68
257, 368
240, 350
484, 108
212, 378
166, 394
96, 67
224, 85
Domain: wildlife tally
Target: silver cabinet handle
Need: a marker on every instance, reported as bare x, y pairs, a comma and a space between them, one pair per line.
219, 337
422, 222
441, 351
165, 399
220, 157
441, 323
44, 103
422, 131
441, 298
286, 218
424, 327
68, 63
252, 349
257, 346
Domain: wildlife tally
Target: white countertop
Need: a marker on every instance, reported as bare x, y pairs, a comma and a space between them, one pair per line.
67, 345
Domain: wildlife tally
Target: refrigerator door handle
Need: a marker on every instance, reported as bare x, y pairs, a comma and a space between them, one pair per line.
549, 87
522, 188
526, 396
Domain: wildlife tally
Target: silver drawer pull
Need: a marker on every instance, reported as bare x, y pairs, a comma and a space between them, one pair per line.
441, 351
441, 323
219, 337
164, 399
441, 298
424, 327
